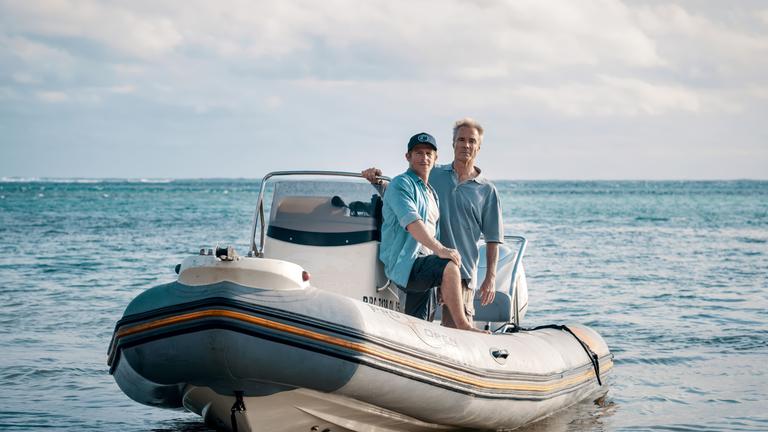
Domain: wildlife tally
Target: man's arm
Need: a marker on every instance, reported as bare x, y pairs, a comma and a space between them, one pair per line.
418, 230
400, 200
488, 287
493, 231
372, 175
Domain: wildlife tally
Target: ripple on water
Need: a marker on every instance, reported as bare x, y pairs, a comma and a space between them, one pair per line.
665, 361
29, 420
21, 374
725, 424
728, 343
751, 240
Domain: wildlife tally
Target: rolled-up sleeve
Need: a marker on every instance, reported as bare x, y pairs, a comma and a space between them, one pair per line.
492, 222
401, 197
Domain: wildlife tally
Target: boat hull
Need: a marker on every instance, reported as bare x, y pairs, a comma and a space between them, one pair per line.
329, 359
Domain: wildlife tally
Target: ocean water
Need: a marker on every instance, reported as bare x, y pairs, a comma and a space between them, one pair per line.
674, 275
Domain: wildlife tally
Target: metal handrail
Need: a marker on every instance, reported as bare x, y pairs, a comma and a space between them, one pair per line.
259, 214
387, 286
516, 265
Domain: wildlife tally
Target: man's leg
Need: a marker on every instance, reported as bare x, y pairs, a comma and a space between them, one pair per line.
421, 304
469, 310
451, 291
421, 292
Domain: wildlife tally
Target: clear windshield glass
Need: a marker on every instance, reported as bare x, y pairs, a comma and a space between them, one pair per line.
323, 205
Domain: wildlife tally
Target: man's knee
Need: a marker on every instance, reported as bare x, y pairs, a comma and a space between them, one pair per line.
451, 269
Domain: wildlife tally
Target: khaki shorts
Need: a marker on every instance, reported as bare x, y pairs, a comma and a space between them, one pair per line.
468, 296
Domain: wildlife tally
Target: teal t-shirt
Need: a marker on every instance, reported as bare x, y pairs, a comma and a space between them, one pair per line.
405, 201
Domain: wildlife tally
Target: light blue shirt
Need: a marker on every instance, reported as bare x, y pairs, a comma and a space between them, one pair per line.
405, 202
467, 209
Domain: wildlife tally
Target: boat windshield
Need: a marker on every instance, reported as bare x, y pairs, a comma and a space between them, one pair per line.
318, 208
324, 212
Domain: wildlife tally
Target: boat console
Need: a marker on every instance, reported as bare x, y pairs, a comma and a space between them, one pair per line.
330, 224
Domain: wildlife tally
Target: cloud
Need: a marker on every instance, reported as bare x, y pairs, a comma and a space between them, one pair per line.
762, 15
52, 96
24, 78
403, 39
29, 63
255, 68
436, 38
698, 46
612, 96
121, 89
562, 55
760, 92
528, 34
7, 93
130, 32
29, 51
273, 102
84, 95
128, 70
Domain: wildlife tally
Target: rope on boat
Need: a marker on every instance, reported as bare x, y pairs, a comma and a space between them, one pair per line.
593, 358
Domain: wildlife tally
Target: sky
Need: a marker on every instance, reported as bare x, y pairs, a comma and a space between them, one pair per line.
587, 89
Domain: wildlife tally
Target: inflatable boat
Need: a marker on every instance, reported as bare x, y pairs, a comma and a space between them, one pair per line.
304, 332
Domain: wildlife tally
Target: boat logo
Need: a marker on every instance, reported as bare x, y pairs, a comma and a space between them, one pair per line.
430, 336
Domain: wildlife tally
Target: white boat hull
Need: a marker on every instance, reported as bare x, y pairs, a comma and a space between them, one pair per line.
323, 356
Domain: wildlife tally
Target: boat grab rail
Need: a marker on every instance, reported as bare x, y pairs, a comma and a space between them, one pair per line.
255, 251
513, 284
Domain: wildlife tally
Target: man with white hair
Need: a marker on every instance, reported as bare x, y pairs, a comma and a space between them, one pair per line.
469, 207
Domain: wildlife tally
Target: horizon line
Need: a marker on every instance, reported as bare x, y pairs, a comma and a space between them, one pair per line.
33, 179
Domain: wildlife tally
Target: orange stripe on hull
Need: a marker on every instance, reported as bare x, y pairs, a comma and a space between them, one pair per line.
361, 348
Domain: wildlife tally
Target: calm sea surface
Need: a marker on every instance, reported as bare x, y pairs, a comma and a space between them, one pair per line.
673, 274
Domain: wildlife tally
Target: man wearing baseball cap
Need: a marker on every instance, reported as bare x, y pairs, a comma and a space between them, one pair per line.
413, 257
470, 208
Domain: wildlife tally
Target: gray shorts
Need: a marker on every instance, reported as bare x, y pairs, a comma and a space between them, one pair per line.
421, 293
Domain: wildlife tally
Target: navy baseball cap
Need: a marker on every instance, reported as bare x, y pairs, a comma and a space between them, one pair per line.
422, 138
